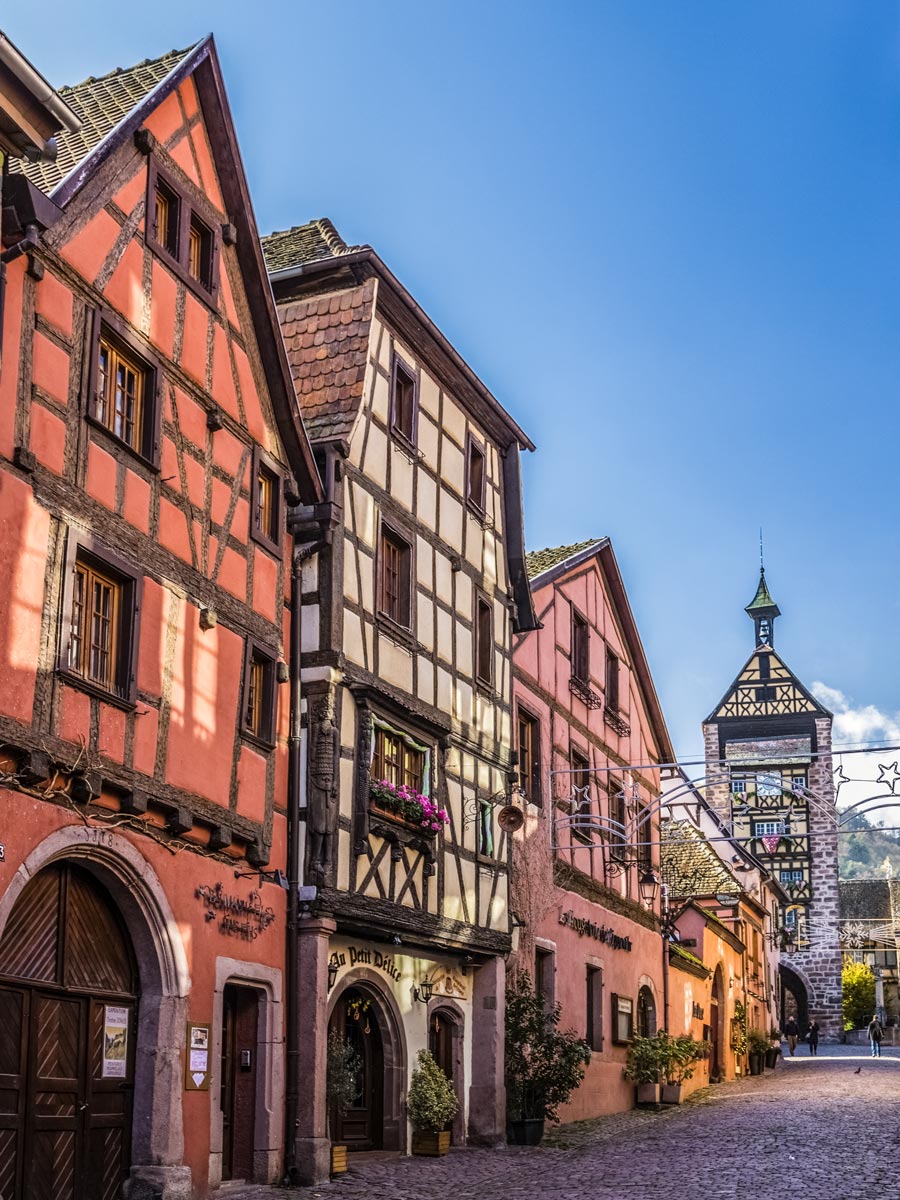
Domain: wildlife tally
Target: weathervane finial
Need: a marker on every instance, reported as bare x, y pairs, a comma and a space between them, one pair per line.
762, 565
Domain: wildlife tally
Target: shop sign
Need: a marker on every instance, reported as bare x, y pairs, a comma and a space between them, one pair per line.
115, 1042
239, 916
369, 958
196, 1066
601, 933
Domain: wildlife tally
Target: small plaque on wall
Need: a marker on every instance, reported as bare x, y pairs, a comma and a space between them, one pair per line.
196, 1058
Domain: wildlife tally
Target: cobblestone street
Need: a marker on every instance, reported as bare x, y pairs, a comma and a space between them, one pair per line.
805, 1129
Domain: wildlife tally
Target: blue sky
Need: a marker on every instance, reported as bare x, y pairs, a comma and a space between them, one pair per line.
668, 238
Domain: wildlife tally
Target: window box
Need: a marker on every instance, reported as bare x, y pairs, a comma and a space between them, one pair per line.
404, 806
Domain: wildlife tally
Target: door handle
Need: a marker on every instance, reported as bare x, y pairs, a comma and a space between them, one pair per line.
82, 1107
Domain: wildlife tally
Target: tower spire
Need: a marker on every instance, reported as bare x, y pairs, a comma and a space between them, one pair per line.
762, 609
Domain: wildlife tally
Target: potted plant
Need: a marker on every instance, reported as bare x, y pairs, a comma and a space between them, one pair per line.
431, 1103
684, 1054
758, 1044
544, 1064
411, 808
343, 1068
774, 1048
647, 1065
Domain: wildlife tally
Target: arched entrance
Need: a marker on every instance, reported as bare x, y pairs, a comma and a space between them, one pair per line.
794, 997
365, 1012
646, 1012
445, 1041
716, 1016
68, 1019
360, 1126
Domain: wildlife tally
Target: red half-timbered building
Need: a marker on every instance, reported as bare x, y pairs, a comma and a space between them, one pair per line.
149, 447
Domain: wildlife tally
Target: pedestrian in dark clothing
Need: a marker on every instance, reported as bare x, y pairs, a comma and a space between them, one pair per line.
813, 1036
792, 1032
876, 1033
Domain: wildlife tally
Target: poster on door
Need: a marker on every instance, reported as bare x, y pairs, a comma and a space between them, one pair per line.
115, 1042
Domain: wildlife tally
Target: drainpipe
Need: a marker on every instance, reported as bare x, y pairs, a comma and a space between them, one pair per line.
294, 866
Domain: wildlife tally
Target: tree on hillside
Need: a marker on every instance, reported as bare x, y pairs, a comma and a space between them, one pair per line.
867, 851
858, 994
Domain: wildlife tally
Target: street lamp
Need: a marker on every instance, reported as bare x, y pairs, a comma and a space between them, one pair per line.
424, 991
649, 888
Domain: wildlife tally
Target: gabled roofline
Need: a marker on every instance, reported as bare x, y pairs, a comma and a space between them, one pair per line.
52, 109
203, 59
72, 183
603, 551
712, 719
366, 256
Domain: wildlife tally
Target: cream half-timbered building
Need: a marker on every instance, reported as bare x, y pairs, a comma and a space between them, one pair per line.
409, 613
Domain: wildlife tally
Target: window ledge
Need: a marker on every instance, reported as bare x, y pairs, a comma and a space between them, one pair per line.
116, 443
405, 444
127, 704
259, 743
398, 633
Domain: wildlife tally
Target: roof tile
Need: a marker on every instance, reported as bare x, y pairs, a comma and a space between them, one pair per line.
539, 561
689, 865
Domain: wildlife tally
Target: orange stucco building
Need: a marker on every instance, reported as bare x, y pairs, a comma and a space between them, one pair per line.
590, 736
149, 447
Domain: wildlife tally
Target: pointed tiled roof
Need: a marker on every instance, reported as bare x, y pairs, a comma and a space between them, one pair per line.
327, 341
539, 561
762, 600
689, 865
313, 241
101, 103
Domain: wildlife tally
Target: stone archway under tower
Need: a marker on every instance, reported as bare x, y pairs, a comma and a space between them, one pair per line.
797, 996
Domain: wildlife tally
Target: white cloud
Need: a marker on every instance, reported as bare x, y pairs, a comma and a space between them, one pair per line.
857, 723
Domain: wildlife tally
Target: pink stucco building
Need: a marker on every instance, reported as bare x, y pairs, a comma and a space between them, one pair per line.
590, 737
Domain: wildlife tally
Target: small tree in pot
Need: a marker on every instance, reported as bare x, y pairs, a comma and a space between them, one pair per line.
431, 1103
544, 1064
647, 1065
343, 1067
684, 1055
758, 1044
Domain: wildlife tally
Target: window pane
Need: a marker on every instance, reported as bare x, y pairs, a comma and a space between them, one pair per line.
120, 395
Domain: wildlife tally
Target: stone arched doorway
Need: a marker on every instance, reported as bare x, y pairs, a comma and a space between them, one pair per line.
114, 871
446, 1041
646, 1011
716, 1025
69, 1003
366, 1017
794, 997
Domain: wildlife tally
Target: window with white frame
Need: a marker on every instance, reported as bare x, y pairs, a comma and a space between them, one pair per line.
792, 876
767, 828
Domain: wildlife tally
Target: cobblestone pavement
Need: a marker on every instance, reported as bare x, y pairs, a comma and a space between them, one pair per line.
824, 1128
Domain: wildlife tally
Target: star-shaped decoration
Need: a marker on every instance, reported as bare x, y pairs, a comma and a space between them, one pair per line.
889, 775
840, 776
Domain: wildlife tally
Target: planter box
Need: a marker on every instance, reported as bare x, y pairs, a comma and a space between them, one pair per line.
338, 1160
671, 1093
431, 1145
525, 1133
396, 819
647, 1093
772, 1058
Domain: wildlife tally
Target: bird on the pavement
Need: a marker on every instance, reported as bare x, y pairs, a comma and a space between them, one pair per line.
857, 1071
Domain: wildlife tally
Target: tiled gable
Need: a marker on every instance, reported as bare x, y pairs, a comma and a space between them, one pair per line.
690, 866
539, 561
313, 241
327, 340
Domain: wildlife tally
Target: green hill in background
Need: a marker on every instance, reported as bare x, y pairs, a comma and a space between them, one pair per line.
868, 852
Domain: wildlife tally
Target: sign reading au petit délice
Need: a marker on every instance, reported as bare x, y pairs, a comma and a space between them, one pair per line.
369, 958
601, 933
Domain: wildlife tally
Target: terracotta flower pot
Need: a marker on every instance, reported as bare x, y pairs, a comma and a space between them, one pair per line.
431, 1145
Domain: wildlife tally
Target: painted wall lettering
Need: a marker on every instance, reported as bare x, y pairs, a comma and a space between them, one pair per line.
601, 933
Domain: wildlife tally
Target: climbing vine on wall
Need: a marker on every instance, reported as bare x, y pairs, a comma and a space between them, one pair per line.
739, 1029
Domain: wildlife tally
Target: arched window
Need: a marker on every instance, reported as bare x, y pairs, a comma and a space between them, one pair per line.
646, 1012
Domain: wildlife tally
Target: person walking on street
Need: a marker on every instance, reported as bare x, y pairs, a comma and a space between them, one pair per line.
813, 1036
876, 1033
792, 1032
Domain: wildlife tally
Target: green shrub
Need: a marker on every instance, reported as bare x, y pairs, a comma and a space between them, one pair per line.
431, 1101
544, 1065
758, 1041
858, 994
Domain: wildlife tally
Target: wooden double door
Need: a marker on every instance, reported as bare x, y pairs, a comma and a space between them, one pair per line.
360, 1126
68, 1013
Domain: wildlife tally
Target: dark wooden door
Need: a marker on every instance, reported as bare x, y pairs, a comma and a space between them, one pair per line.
360, 1125
440, 1043
67, 1026
715, 1062
240, 1029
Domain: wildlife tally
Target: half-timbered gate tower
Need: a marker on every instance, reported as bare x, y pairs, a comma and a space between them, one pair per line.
769, 774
